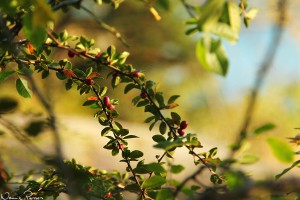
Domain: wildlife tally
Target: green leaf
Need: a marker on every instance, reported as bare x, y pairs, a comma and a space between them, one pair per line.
7, 104
264, 128
5, 74
115, 81
215, 179
211, 55
136, 154
212, 152
129, 87
248, 159
149, 119
281, 150
155, 167
103, 91
105, 131
154, 182
162, 128
135, 100
165, 194
287, 169
165, 4
173, 99
210, 13
122, 58
22, 88
234, 17
69, 84
132, 188
176, 118
111, 51
88, 102
45, 74
160, 99
130, 136
35, 23
158, 138
168, 145
152, 125
176, 169
195, 187
34, 128
251, 14
224, 31
142, 103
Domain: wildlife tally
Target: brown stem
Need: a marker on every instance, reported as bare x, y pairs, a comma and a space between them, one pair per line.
264, 68
23, 139
52, 117
191, 177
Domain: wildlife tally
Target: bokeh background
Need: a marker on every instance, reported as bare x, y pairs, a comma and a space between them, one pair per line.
214, 106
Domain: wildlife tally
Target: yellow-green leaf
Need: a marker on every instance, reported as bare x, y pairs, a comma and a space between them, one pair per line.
281, 150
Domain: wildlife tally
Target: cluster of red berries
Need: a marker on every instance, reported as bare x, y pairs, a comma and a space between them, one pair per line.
108, 104
182, 126
121, 146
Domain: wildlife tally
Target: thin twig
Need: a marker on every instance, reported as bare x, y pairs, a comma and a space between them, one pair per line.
52, 117
22, 138
189, 8
107, 27
261, 74
191, 177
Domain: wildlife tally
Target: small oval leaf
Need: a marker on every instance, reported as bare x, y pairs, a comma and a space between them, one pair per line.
281, 150
22, 88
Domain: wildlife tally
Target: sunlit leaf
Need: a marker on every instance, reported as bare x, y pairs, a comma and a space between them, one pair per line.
176, 169
164, 195
211, 55
154, 182
248, 159
281, 150
209, 14
155, 167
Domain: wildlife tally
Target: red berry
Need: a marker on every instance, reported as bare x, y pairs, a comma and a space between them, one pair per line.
122, 146
183, 125
106, 100
89, 81
181, 132
137, 74
108, 195
89, 189
71, 54
111, 107
144, 95
98, 55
